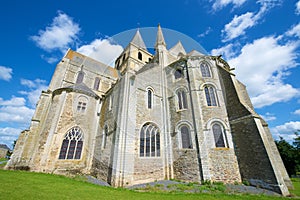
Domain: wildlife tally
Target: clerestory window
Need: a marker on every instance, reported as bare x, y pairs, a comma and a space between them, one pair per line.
149, 98
80, 77
210, 94
182, 100
205, 70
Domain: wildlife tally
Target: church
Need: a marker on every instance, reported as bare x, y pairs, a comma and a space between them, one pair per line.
168, 115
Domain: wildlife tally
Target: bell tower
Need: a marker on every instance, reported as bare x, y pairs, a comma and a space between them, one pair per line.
134, 56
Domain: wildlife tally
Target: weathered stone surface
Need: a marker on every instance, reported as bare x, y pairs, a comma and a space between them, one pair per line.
113, 118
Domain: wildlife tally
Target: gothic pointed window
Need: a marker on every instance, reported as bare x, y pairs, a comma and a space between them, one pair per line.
182, 100
149, 141
205, 70
80, 77
149, 98
96, 83
210, 94
140, 56
178, 74
218, 132
186, 137
72, 144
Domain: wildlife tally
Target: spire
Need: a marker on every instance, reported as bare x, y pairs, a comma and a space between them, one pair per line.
160, 37
138, 40
178, 48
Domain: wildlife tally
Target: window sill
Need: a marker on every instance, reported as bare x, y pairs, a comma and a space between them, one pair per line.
180, 110
221, 148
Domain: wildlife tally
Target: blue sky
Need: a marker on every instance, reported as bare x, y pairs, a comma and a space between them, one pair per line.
260, 39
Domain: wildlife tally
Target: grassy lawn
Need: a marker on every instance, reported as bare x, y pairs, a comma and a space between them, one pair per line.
28, 185
3, 159
296, 183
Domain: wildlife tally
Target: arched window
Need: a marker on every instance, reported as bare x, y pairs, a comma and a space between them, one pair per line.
205, 70
149, 98
82, 104
96, 83
186, 137
210, 95
182, 101
123, 57
149, 141
140, 56
80, 76
178, 74
104, 136
218, 132
71, 147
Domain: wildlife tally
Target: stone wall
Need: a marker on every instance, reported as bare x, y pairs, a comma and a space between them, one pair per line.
186, 165
252, 150
224, 166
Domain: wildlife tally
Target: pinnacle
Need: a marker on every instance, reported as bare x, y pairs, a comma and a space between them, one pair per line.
138, 40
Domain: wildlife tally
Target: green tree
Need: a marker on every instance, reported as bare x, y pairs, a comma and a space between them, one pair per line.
290, 154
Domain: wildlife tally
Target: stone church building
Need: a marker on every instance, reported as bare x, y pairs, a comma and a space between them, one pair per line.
171, 115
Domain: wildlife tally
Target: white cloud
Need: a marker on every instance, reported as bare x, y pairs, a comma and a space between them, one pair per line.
239, 24
35, 88
59, 35
294, 31
14, 101
286, 131
296, 112
8, 135
268, 117
5, 73
298, 8
15, 110
50, 59
102, 50
262, 66
219, 4
19, 114
226, 51
208, 30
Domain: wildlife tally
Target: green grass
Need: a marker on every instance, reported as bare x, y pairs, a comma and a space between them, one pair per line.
296, 183
28, 185
3, 159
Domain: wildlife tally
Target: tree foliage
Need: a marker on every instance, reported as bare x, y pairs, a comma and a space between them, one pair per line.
290, 154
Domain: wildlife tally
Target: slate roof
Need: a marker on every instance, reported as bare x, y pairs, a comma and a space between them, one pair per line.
138, 40
82, 88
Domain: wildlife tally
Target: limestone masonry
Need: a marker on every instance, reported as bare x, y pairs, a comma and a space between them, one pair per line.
172, 115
